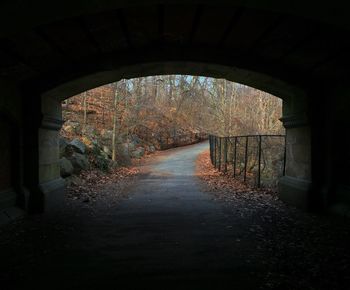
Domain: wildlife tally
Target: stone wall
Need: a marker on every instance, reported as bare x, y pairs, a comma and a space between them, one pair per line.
295, 187
11, 182
298, 148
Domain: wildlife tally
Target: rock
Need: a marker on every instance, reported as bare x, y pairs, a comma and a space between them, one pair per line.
107, 150
138, 153
68, 129
62, 142
71, 127
142, 150
78, 146
151, 148
79, 162
66, 167
136, 139
73, 180
106, 134
95, 148
128, 147
123, 156
62, 146
103, 154
87, 142
114, 164
102, 162
123, 149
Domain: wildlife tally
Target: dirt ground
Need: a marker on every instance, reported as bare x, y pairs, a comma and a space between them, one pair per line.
306, 251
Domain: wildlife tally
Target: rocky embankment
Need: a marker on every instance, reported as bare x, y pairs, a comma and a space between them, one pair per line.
82, 154
87, 148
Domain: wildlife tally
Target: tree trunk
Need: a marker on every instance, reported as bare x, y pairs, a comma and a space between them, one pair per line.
115, 121
84, 112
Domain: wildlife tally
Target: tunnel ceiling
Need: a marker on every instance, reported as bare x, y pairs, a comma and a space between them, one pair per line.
294, 49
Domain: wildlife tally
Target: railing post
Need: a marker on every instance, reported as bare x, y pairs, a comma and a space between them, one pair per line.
245, 158
259, 162
225, 155
210, 150
215, 151
235, 157
221, 157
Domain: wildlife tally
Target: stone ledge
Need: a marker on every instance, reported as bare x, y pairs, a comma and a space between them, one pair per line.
294, 191
54, 191
51, 123
294, 121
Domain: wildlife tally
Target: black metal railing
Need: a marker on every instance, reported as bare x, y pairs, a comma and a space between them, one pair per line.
258, 160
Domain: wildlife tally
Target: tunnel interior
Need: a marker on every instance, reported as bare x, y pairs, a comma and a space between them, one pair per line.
297, 51
297, 54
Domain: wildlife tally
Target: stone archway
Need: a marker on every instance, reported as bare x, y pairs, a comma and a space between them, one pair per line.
297, 52
294, 187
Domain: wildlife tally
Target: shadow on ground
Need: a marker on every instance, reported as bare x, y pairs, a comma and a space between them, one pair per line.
166, 233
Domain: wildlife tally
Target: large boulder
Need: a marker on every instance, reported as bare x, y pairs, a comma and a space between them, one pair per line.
66, 167
123, 156
122, 149
136, 139
78, 146
79, 162
138, 153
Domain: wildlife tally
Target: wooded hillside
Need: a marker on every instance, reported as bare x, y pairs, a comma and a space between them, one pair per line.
165, 111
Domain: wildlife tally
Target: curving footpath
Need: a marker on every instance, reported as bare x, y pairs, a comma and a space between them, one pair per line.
167, 234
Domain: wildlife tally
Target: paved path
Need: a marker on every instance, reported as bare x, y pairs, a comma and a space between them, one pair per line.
168, 234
